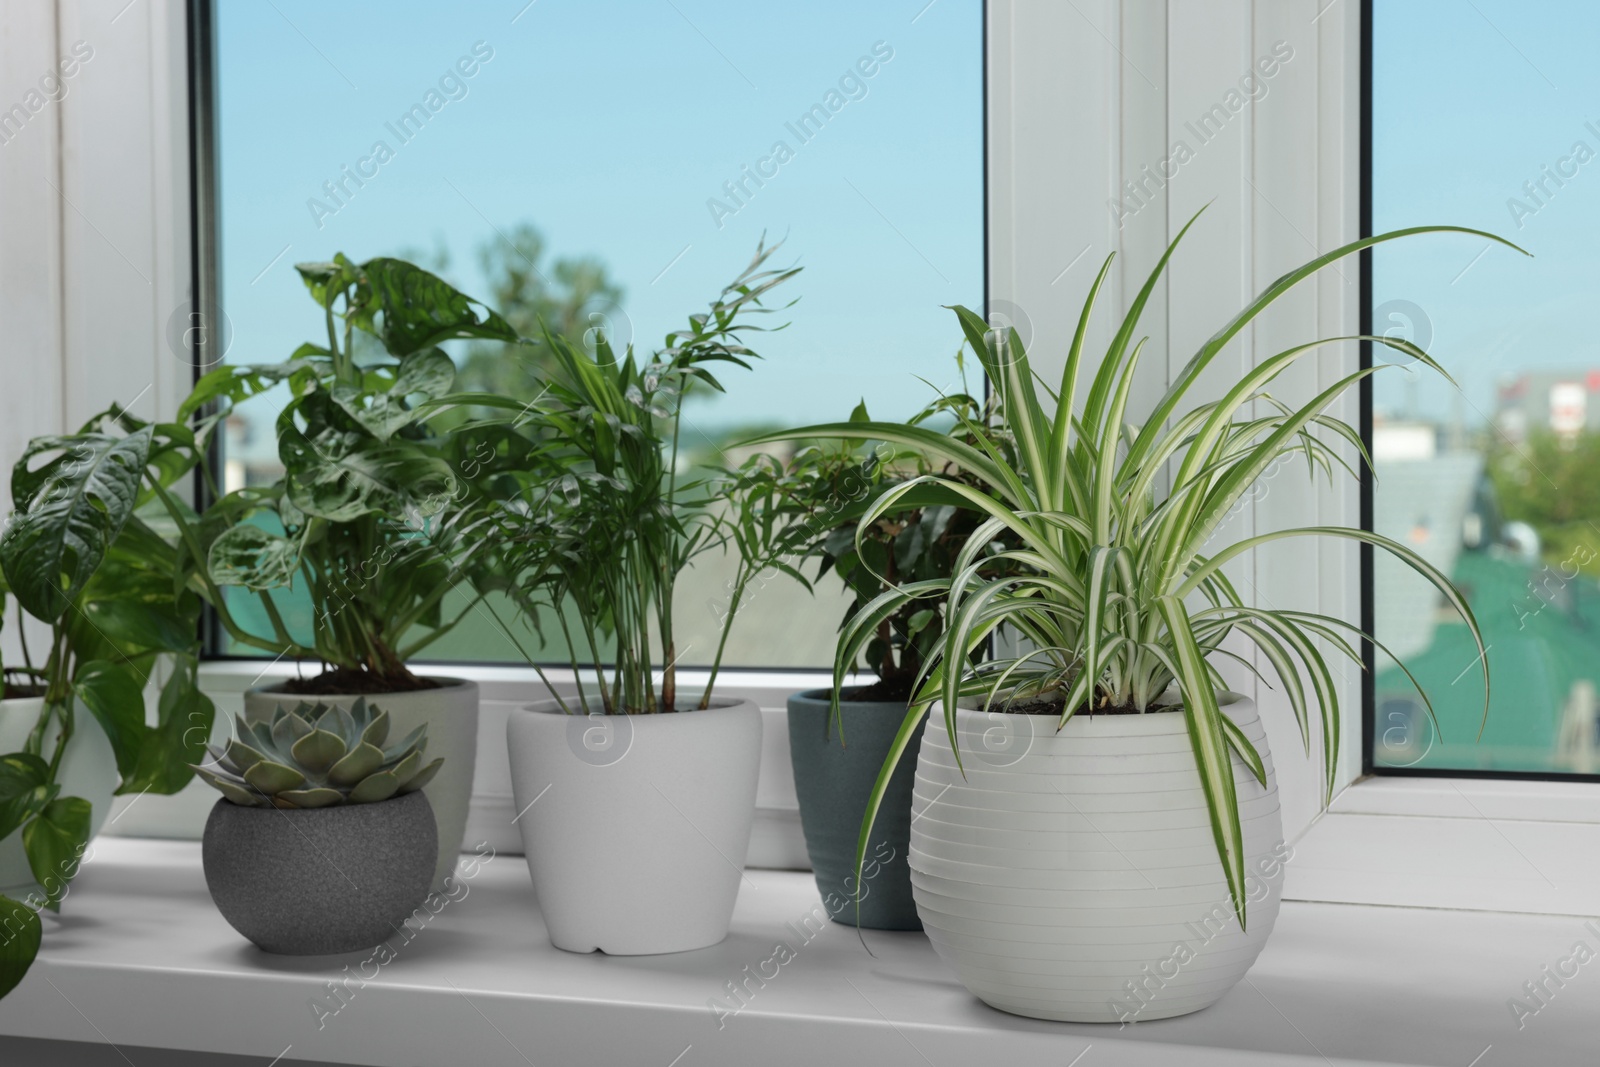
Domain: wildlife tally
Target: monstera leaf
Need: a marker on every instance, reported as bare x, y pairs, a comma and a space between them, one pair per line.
239, 382
341, 476
428, 375
421, 309
69, 511
252, 557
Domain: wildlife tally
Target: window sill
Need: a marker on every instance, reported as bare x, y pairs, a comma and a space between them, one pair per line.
142, 958
1469, 843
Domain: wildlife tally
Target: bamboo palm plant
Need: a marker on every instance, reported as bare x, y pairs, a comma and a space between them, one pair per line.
1118, 598
606, 510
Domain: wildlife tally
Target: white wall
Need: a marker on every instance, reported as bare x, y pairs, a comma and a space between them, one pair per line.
94, 216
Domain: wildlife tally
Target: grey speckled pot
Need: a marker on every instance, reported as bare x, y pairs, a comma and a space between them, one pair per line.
833, 782
324, 880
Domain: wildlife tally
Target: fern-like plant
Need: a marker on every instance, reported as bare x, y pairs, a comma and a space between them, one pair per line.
1113, 587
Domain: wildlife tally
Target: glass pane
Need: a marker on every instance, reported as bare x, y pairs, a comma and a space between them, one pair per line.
1482, 118
615, 165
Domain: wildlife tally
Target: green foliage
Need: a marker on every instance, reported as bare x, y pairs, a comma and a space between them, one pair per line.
599, 521
917, 541
318, 757
20, 932
1118, 597
1548, 482
81, 556
367, 512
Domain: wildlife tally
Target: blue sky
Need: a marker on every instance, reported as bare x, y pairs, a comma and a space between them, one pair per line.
609, 127
1468, 105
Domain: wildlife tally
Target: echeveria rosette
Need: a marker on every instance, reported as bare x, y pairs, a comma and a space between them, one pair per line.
318, 756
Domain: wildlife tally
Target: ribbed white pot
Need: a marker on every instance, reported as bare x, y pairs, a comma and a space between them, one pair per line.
88, 770
1073, 875
451, 714
635, 827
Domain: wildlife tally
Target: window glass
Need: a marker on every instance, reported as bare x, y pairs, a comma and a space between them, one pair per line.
614, 165
1483, 117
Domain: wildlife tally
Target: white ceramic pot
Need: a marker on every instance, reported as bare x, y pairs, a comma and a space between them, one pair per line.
635, 827
451, 714
88, 770
1073, 875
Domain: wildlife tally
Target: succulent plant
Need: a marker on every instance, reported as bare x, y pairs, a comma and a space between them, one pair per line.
318, 756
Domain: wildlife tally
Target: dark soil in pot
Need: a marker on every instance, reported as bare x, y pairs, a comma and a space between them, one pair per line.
348, 681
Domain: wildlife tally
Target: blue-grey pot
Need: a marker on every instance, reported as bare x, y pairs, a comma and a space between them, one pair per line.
308, 882
833, 781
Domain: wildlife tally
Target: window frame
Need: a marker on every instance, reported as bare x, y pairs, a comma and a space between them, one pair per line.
205, 279
1079, 97
1369, 730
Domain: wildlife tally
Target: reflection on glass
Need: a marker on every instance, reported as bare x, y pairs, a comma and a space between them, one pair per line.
1497, 482
610, 167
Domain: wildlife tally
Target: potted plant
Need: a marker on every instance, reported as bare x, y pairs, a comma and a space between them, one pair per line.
322, 841
839, 737
365, 518
84, 559
1096, 828
635, 801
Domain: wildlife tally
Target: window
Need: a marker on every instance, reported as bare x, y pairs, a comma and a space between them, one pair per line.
613, 166
1478, 118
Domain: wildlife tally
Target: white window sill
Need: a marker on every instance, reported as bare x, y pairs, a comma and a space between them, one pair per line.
1477, 844
141, 958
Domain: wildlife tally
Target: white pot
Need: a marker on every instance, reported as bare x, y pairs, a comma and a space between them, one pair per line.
1073, 875
88, 770
451, 714
635, 827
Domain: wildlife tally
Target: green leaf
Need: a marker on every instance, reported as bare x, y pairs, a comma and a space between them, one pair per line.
422, 777
428, 375
421, 309
20, 932
271, 777
239, 794
341, 477
69, 511
1211, 755
361, 761
249, 556
25, 789
115, 697
54, 841
184, 719
320, 797
377, 731
380, 786
318, 751
239, 382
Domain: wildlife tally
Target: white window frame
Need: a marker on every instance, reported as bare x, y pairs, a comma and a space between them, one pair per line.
95, 255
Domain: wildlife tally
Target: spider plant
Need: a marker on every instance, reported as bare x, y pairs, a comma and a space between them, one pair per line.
1118, 594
